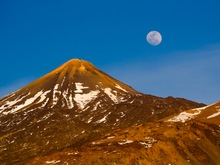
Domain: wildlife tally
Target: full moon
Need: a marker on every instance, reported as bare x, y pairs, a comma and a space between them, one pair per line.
154, 38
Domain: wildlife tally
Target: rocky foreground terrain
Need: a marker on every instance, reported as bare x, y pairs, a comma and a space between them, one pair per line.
176, 140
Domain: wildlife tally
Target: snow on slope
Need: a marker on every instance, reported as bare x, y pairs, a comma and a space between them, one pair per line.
82, 99
214, 115
188, 115
67, 96
18, 107
62, 88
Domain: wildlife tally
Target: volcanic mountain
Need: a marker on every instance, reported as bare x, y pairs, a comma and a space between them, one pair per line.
71, 106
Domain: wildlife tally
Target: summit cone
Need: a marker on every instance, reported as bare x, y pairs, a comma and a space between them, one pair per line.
74, 84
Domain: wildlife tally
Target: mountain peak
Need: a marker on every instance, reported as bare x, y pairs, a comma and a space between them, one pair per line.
72, 66
76, 63
75, 84
72, 63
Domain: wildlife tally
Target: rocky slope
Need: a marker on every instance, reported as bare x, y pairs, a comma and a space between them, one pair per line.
191, 140
72, 106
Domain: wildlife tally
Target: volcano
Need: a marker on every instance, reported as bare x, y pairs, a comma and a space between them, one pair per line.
72, 85
71, 106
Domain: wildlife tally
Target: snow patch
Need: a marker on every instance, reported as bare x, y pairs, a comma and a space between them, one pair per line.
70, 102
148, 143
119, 87
64, 78
43, 97
68, 99
96, 106
202, 108
214, 115
188, 115
110, 137
45, 117
11, 103
125, 142
25, 104
122, 114
52, 161
184, 116
79, 87
103, 119
83, 99
56, 94
90, 120
111, 94
132, 101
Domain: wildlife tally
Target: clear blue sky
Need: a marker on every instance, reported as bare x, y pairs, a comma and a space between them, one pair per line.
36, 36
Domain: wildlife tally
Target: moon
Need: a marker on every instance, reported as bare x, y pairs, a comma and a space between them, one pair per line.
154, 38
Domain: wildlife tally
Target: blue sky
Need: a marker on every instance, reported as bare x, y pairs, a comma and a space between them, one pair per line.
37, 36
